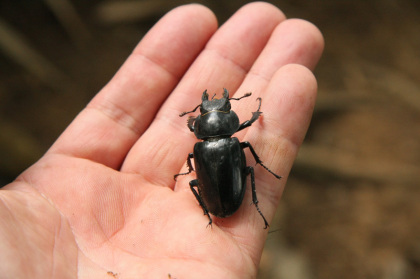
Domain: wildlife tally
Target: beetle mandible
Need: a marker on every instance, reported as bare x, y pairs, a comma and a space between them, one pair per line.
219, 158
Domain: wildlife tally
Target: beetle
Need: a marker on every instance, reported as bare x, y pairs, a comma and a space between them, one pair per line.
220, 162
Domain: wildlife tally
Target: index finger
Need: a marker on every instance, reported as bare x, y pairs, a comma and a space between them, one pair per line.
112, 122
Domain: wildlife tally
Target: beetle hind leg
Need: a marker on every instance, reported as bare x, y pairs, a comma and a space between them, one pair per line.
193, 185
250, 170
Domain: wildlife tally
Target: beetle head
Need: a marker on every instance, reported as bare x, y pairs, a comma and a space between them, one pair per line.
214, 104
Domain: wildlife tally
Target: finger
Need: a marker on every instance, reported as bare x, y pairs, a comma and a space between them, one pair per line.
294, 41
228, 56
276, 139
278, 136
114, 119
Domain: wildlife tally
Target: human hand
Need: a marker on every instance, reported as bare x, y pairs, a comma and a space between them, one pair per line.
102, 201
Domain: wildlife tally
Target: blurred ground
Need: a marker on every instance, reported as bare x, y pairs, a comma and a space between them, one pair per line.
351, 207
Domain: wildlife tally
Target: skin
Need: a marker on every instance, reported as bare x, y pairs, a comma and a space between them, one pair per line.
102, 201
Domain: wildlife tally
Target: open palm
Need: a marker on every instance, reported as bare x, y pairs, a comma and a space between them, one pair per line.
102, 202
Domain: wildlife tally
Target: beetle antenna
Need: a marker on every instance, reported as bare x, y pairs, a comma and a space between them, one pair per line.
213, 96
244, 96
186, 112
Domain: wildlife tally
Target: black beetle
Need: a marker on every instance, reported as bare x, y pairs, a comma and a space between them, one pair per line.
219, 159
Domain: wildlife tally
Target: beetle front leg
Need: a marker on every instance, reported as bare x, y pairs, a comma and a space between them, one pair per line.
190, 123
189, 164
257, 159
255, 116
250, 170
194, 183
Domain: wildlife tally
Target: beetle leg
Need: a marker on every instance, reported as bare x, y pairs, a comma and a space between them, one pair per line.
189, 164
250, 170
255, 116
257, 159
194, 183
190, 123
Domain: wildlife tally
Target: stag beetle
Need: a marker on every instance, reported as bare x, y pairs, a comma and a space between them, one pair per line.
219, 159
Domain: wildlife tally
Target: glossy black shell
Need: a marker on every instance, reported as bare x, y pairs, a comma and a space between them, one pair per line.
220, 167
